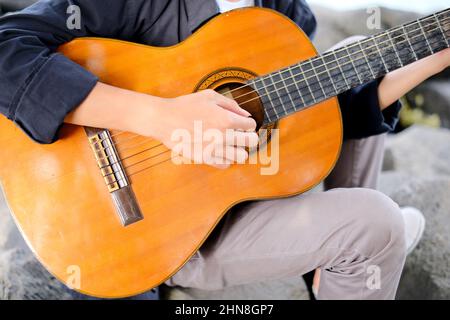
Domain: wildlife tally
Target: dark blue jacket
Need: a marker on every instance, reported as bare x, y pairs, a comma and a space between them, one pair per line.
39, 87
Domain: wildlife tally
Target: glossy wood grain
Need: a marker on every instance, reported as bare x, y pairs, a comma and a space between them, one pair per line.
61, 203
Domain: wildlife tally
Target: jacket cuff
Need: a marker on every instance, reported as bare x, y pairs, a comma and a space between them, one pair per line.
52, 92
362, 115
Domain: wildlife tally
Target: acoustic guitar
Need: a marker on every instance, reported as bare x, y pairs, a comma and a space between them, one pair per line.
111, 210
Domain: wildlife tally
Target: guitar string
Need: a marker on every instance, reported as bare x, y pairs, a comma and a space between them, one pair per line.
148, 167
169, 150
354, 45
278, 111
125, 140
130, 156
275, 109
134, 164
315, 75
173, 156
348, 63
374, 37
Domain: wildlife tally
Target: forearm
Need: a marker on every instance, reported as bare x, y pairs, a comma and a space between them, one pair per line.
159, 118
399, 82
116, 109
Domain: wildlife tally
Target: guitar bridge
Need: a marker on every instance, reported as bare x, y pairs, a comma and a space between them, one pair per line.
114, 174
108, 160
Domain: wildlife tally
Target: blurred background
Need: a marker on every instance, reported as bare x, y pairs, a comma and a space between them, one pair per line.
416, 172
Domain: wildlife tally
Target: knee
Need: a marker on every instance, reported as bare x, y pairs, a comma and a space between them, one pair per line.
377, 222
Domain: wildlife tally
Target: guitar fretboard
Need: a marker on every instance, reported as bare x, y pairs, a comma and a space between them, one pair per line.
320, 78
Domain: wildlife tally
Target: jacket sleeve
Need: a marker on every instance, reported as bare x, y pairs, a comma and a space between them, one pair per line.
39, 87
361, 113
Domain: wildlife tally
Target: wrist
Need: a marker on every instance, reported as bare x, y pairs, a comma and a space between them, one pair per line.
145, 116
440, 61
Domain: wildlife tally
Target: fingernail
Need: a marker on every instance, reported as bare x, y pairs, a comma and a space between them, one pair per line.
247, 113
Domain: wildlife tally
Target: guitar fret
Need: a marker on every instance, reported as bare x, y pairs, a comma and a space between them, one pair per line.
441, 29
296, 86
354, 67
320, 85
402, 47
329, 74
381, 56
425, 36
395, 49
324, 80
255, 86
367, 60
267, 115
409, 42
287, 92
342, 72
310, 82
269, 100
307, 84
317, 76
359, 65
303, 87
435, 37
266, 111
277, 93
421, 45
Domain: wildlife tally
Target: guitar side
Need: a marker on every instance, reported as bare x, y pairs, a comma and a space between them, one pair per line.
63, 208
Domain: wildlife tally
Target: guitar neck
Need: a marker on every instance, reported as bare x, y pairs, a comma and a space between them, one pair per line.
310, 82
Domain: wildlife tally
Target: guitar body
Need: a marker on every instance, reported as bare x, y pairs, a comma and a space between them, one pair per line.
59, 199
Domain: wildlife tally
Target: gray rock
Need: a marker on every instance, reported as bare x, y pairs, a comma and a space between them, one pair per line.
391, 180
419, 176
5, 222
22, 277
427, 270
419, 152
9, 235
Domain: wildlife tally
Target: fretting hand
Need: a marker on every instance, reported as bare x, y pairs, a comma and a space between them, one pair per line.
397, 83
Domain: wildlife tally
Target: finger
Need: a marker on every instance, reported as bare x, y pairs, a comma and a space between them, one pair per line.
241, 123
218, 163
230, 105
220, 166
230, 153
241, 139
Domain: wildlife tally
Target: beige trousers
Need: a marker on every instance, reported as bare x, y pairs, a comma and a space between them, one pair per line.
354, 234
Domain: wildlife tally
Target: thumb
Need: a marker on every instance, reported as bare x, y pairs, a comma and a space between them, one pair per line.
231, 105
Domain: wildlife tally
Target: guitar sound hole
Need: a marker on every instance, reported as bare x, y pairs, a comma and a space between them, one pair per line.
246, 97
